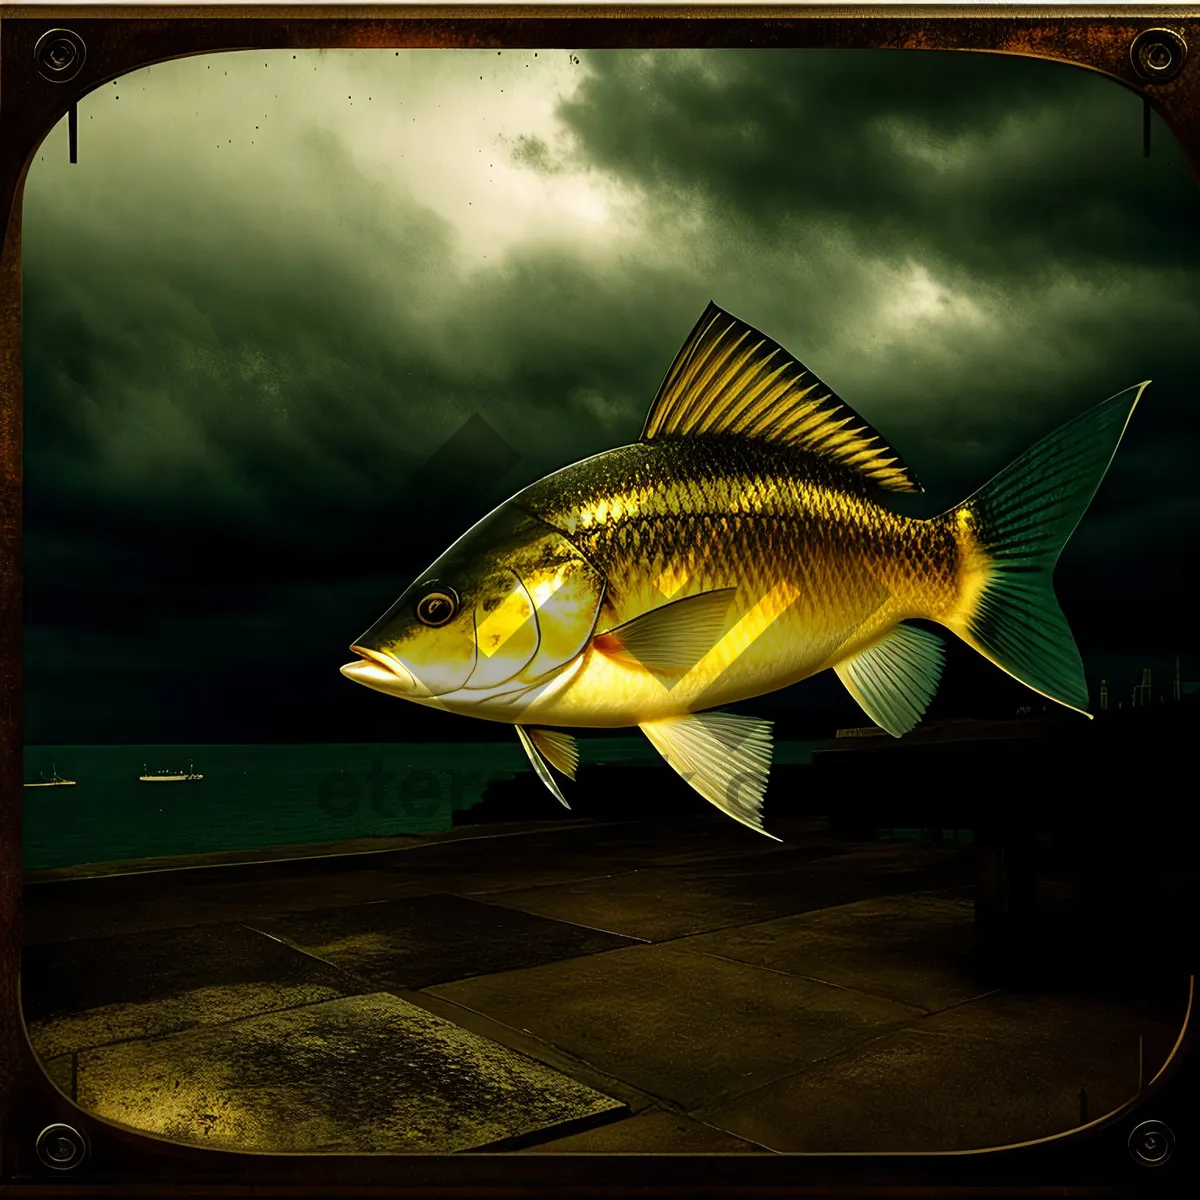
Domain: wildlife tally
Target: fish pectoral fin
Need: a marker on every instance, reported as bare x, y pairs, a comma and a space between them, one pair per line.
671, 639
895, 679
730, 380
724, 757
539, 766
558, 749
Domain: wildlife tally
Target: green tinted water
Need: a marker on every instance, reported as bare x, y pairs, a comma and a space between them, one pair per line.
253, 797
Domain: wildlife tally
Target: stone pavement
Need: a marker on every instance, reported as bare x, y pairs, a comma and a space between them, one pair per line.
681, 986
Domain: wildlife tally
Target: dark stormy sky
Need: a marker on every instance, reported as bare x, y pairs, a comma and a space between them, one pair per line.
293, 322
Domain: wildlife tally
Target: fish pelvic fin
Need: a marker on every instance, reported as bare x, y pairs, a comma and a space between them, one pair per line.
726, 758
731, 380
1010, 534
895, 679
539, 766
558, 749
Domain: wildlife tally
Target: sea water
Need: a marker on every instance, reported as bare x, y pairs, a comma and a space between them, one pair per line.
253, 796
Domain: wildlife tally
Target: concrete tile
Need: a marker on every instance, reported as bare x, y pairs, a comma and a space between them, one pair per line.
90, 992
915, 948
686, 1027
651, 904
197, 1006
433, 939
476, 864
517, 859
572, 854
714, 838
137, 904
660, 903
1003, 1069
469, 865
358, 1075
655, 1132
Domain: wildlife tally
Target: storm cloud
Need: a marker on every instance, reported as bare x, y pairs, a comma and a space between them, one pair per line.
277, 289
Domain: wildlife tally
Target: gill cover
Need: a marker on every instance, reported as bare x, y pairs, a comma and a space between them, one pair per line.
524, 603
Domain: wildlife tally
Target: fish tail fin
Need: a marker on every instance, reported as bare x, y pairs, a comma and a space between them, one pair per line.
1009, 536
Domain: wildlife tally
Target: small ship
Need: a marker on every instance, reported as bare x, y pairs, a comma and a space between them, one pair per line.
55, 779
187, 776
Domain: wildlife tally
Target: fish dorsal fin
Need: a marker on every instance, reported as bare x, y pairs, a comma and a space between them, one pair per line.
730, 379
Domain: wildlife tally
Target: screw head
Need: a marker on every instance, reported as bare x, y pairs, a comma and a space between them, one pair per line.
60, 55
1158, 55
1151, 1143
61, 1147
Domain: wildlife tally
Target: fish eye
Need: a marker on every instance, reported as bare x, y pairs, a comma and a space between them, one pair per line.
437, 606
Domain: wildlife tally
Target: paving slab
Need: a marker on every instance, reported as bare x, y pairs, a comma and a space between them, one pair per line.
140, 902
547, 857
433, 939
661, 903
916, 948
999, 1070
145, 903
88, 992
483, 864
684, 1027
655, 1132
712, 839
365, 1074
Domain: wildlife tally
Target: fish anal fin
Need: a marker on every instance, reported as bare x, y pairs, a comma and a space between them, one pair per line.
729, 379
539, 766
671, 639
558, 749
725, 758
895, 679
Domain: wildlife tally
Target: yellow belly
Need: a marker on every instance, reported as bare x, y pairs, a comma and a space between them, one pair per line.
779, 641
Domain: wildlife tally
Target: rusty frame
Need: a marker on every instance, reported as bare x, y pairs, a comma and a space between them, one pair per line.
122, 39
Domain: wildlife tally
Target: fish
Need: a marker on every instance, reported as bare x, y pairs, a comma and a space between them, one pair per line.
744, 543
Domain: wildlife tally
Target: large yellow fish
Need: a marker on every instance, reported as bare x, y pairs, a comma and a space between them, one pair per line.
740, 546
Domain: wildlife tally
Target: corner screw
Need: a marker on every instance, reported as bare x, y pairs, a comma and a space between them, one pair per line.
60, 55
61, 1147
1158, 55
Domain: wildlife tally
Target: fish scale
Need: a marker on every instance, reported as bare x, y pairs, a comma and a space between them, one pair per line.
723, 513
751, 514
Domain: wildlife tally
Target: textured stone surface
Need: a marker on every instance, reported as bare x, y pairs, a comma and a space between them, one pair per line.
363, 1074
1002, 1069
469, 862
660, 903
432, 939
89, 992
686, 1027
139, 904
792, 1009
917, 949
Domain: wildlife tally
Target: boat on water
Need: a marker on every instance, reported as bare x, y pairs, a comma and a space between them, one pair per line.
55, 779
148, 776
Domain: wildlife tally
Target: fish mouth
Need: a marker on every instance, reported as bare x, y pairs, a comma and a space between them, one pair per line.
383, 673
